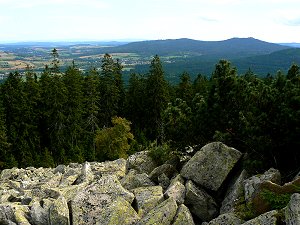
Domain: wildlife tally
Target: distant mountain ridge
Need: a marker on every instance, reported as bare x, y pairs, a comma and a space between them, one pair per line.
234, 47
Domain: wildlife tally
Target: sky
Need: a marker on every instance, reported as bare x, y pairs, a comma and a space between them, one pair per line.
275, 21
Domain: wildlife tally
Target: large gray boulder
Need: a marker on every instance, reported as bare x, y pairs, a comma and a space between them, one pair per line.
163, 214
211, 165
118, 212
146, 198
59, 212
234, 193
292, 211
39, 211
225, 219
252, 184
176, 191
117, 167
200, 203
14, 213
183, 216
168, 170
268, 218
134, 180
93, 202
141, 162
86, 174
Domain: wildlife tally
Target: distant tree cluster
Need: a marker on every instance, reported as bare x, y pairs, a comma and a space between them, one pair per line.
63, 117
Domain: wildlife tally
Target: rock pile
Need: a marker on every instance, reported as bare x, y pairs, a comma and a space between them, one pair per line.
208, 189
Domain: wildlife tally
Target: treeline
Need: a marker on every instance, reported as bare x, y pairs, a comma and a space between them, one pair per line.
63, 117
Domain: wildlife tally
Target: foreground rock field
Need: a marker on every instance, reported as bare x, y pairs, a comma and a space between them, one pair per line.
208, 188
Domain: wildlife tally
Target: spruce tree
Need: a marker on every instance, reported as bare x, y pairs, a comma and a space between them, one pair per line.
157, 98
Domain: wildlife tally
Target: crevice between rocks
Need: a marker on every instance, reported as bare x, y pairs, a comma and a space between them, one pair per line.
70, 212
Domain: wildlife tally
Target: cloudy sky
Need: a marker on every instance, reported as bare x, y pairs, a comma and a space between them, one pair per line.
54, 20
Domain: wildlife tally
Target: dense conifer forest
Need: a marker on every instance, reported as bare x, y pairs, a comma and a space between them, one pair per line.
67, 116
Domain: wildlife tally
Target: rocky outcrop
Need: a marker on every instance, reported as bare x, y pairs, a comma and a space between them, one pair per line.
225, 219
269, 218
234, 193
200, 203
146, 198
141, 162
183, 216
254, 182
210, 189
210, 166
292, 211
162, 214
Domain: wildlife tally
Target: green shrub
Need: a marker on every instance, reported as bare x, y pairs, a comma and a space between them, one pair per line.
159, 153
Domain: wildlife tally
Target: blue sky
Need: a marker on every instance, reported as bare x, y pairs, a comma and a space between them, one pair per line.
55, 20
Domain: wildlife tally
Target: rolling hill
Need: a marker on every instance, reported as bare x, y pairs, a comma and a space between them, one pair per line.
234, 47
177, 55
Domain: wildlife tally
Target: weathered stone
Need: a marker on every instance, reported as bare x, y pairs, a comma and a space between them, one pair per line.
261, 203
134, 180
269, 218
8, 174
292, 211
39, 212
183, 216
118, 212
70, 192
211, 165
11, 212
166, 169
59, 212
177, 178
6, 212
146, 198
117, 168
252, 184
69, 177
163, 181
60, 169
6, 194
89, 203
141, 162
234, 193
162, 214
7, 222
177, 192
200, 203
86, 174
225, 219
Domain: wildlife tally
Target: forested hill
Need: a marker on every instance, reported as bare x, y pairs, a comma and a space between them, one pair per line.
234, 47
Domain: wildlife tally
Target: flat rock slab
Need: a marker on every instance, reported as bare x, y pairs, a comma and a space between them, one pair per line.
269, 218
95, 201
163, 214
183, 216
225, 219
141, 162
211, 165
147, 198
200, 203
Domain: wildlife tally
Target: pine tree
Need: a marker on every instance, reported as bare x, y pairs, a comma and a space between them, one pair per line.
111, 90
157, 99
18, 129
73, 110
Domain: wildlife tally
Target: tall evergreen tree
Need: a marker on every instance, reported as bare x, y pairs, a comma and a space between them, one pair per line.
157, 98
110, 89
73, 110
91, 111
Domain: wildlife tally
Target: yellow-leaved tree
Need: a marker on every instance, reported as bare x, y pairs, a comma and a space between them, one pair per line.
114, 142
